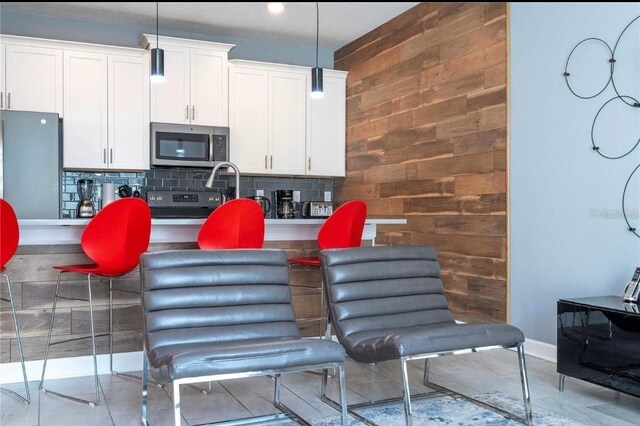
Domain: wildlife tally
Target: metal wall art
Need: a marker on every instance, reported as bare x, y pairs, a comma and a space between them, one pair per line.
627, 99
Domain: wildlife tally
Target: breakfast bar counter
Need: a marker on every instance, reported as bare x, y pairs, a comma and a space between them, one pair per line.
68, 231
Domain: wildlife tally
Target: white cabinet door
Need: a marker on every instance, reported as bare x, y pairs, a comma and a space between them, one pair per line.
249, 119
209, 88
33, 79
85, 110
128, 99
326, 143
288, 99
170, 99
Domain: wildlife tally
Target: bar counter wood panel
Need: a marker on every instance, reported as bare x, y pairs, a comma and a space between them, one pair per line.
427, 141
34, 280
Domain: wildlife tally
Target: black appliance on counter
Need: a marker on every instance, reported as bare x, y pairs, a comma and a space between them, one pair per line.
182, 204
284, 206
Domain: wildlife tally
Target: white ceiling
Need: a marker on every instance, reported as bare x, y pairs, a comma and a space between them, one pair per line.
340, 23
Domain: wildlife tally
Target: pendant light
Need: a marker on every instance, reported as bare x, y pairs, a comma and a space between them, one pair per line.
157, 57
316, 72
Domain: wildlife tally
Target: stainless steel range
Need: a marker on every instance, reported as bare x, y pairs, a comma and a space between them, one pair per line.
182, 204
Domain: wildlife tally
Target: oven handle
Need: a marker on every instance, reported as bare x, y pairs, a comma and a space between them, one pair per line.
211, 147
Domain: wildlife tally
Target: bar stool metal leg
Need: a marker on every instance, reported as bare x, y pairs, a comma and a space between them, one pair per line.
93, 346
27, 399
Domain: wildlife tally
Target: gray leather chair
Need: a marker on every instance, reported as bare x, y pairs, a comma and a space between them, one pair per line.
216, 315
388, 303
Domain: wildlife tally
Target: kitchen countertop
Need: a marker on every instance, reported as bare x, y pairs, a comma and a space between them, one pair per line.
69, 231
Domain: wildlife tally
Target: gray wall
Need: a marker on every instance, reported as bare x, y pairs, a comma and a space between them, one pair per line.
117, 35
568, 238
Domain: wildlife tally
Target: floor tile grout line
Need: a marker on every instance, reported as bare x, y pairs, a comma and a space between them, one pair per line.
234, 397
106, 403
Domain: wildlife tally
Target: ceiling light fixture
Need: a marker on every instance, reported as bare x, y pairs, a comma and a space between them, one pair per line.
157, 57
275, 8
316, 72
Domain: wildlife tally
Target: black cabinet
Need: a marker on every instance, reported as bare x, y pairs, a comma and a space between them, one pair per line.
599, 342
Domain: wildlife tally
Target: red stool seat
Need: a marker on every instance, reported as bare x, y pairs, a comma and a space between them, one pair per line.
237, 224
343, 229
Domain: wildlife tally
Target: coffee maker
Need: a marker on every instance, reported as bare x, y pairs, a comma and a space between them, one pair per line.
284, 205
85, 192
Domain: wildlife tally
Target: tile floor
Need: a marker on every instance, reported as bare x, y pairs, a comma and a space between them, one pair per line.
469, 374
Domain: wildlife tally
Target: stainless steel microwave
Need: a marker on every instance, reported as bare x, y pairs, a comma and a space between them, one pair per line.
184, 145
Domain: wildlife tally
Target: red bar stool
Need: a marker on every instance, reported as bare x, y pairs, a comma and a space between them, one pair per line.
343, 229
9, 237
114, 239
236, 224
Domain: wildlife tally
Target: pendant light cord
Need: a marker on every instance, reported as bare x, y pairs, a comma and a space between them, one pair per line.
317, 30
157, 26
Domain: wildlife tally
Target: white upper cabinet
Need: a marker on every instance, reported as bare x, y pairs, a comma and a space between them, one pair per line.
195, 88
288, 114
32, 78
85, 108
170, 99
249, 119
326, 144
128, 99
209, 88
106, 106
267, 117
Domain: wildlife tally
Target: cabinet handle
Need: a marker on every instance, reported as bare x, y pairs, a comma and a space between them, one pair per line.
1, 100
265, 162
8, 100
104, 155
187, 112
309, 163
271, 167
111, 155
193, 112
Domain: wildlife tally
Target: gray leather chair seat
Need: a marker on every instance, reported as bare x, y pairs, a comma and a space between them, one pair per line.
174, 362
383, 345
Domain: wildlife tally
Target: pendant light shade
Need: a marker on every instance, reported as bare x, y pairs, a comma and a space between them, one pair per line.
316, 83
316, 72
157, 65
157, 57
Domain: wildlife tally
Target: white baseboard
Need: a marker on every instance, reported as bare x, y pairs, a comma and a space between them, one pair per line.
63, 368
542, 350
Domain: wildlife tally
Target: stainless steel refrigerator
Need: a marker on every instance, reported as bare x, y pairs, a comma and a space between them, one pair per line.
30, 163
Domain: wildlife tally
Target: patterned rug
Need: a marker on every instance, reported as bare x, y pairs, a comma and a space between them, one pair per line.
450, 410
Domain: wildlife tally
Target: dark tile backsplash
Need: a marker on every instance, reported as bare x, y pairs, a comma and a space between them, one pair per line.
189, 179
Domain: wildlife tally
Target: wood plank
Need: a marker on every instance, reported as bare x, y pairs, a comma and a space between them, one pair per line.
479, 121
482, 204
485, 183
473, 266
422, 188
470, 225
487, 98
474, 143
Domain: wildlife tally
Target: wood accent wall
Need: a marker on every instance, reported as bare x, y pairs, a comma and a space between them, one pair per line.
427, 140
33, 282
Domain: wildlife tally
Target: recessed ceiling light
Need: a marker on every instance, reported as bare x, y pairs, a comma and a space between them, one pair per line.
275, 8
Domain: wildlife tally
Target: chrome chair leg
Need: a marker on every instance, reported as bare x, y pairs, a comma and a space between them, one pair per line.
111, 325
425, 376
406, 393
525, 385
53, 317
27, 399
561, 378
343, 395
176, 405
93, 347
145, 381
